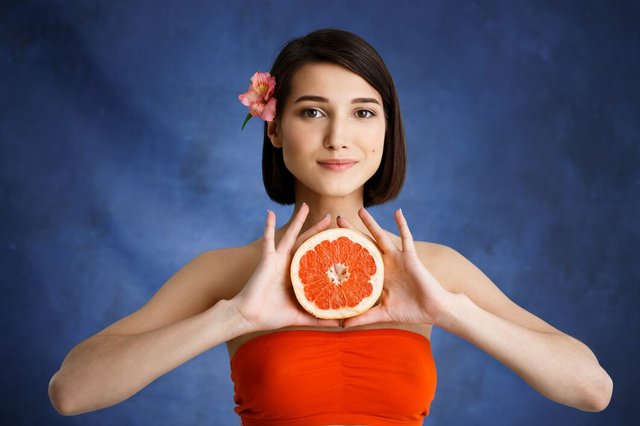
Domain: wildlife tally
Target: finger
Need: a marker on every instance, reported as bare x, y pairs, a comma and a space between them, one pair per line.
405, 232
294, 228
320, 226
344, 223
304, 318
382, 239
324, 322
373, 315
269, 232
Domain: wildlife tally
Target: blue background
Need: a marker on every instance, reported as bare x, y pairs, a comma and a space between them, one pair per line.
122, 158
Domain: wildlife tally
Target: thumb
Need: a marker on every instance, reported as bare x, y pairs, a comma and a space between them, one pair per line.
373, 315
309, 320
326, 322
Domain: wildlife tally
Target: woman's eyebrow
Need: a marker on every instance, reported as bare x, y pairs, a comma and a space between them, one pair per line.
325, 100
365, 101
311, 98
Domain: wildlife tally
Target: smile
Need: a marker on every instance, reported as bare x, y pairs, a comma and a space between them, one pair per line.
337, 165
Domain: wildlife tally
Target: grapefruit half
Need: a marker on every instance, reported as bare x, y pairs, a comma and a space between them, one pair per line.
337, 273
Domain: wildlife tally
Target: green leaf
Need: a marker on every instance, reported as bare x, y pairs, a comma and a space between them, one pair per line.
245, 120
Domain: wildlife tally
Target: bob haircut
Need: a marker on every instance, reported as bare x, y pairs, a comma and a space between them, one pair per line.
355, 54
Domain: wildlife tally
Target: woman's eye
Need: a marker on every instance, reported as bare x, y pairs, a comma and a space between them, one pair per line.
364, 113
311, 113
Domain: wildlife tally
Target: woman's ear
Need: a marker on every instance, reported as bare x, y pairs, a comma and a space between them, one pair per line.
274, 134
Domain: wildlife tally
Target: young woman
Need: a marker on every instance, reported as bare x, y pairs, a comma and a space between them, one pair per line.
335, 146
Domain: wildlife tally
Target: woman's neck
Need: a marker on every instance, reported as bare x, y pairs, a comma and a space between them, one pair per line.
346, 207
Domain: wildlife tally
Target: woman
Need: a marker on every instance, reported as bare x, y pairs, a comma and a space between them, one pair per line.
336, 144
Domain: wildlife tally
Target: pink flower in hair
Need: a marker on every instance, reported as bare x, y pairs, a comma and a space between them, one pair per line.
259, 97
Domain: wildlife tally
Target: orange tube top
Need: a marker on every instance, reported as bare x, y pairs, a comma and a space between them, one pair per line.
312, 377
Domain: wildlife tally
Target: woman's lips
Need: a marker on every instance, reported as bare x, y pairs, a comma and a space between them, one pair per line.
337, 165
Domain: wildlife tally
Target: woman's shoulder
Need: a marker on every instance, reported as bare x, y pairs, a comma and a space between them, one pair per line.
210, 276
229, 267
230, 256
435, 251
444, 262
452, 269
429, 252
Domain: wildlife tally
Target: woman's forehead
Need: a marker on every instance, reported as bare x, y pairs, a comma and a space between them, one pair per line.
332, 82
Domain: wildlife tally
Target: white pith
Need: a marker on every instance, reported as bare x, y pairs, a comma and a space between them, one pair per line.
338, 273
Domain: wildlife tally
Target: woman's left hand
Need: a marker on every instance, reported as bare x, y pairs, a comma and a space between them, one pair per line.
411, 294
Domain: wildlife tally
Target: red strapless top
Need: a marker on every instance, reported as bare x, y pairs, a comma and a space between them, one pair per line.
310, 377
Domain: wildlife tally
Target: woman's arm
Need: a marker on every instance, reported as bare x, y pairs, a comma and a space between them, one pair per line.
189, 315
109, 368
181, 321
426, 283
558, 366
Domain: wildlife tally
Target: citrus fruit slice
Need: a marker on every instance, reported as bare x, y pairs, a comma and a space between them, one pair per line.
337, 273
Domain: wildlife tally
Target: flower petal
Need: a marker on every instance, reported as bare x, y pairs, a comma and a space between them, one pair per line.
256, 109
250, 97
269, 111
258, 96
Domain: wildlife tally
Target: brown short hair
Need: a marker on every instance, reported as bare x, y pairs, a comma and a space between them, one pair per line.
354, 53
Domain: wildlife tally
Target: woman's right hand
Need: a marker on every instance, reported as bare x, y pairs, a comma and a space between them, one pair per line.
267, 301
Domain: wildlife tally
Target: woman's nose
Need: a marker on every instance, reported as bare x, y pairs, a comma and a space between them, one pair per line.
337, 134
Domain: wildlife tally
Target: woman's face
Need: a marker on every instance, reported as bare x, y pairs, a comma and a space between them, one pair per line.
331, 130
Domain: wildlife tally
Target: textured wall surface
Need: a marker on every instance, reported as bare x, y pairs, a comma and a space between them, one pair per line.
122, 158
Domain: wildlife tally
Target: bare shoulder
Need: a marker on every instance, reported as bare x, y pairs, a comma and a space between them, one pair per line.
445, 263
455, 272
458, 274
206, 279
221, 272
441, 260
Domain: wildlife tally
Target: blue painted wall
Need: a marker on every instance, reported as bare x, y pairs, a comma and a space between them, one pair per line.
122, 158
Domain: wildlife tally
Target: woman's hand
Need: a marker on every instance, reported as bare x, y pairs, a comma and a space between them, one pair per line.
410, 294
267, 301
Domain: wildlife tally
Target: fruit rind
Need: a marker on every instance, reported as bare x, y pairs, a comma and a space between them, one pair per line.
376, 279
